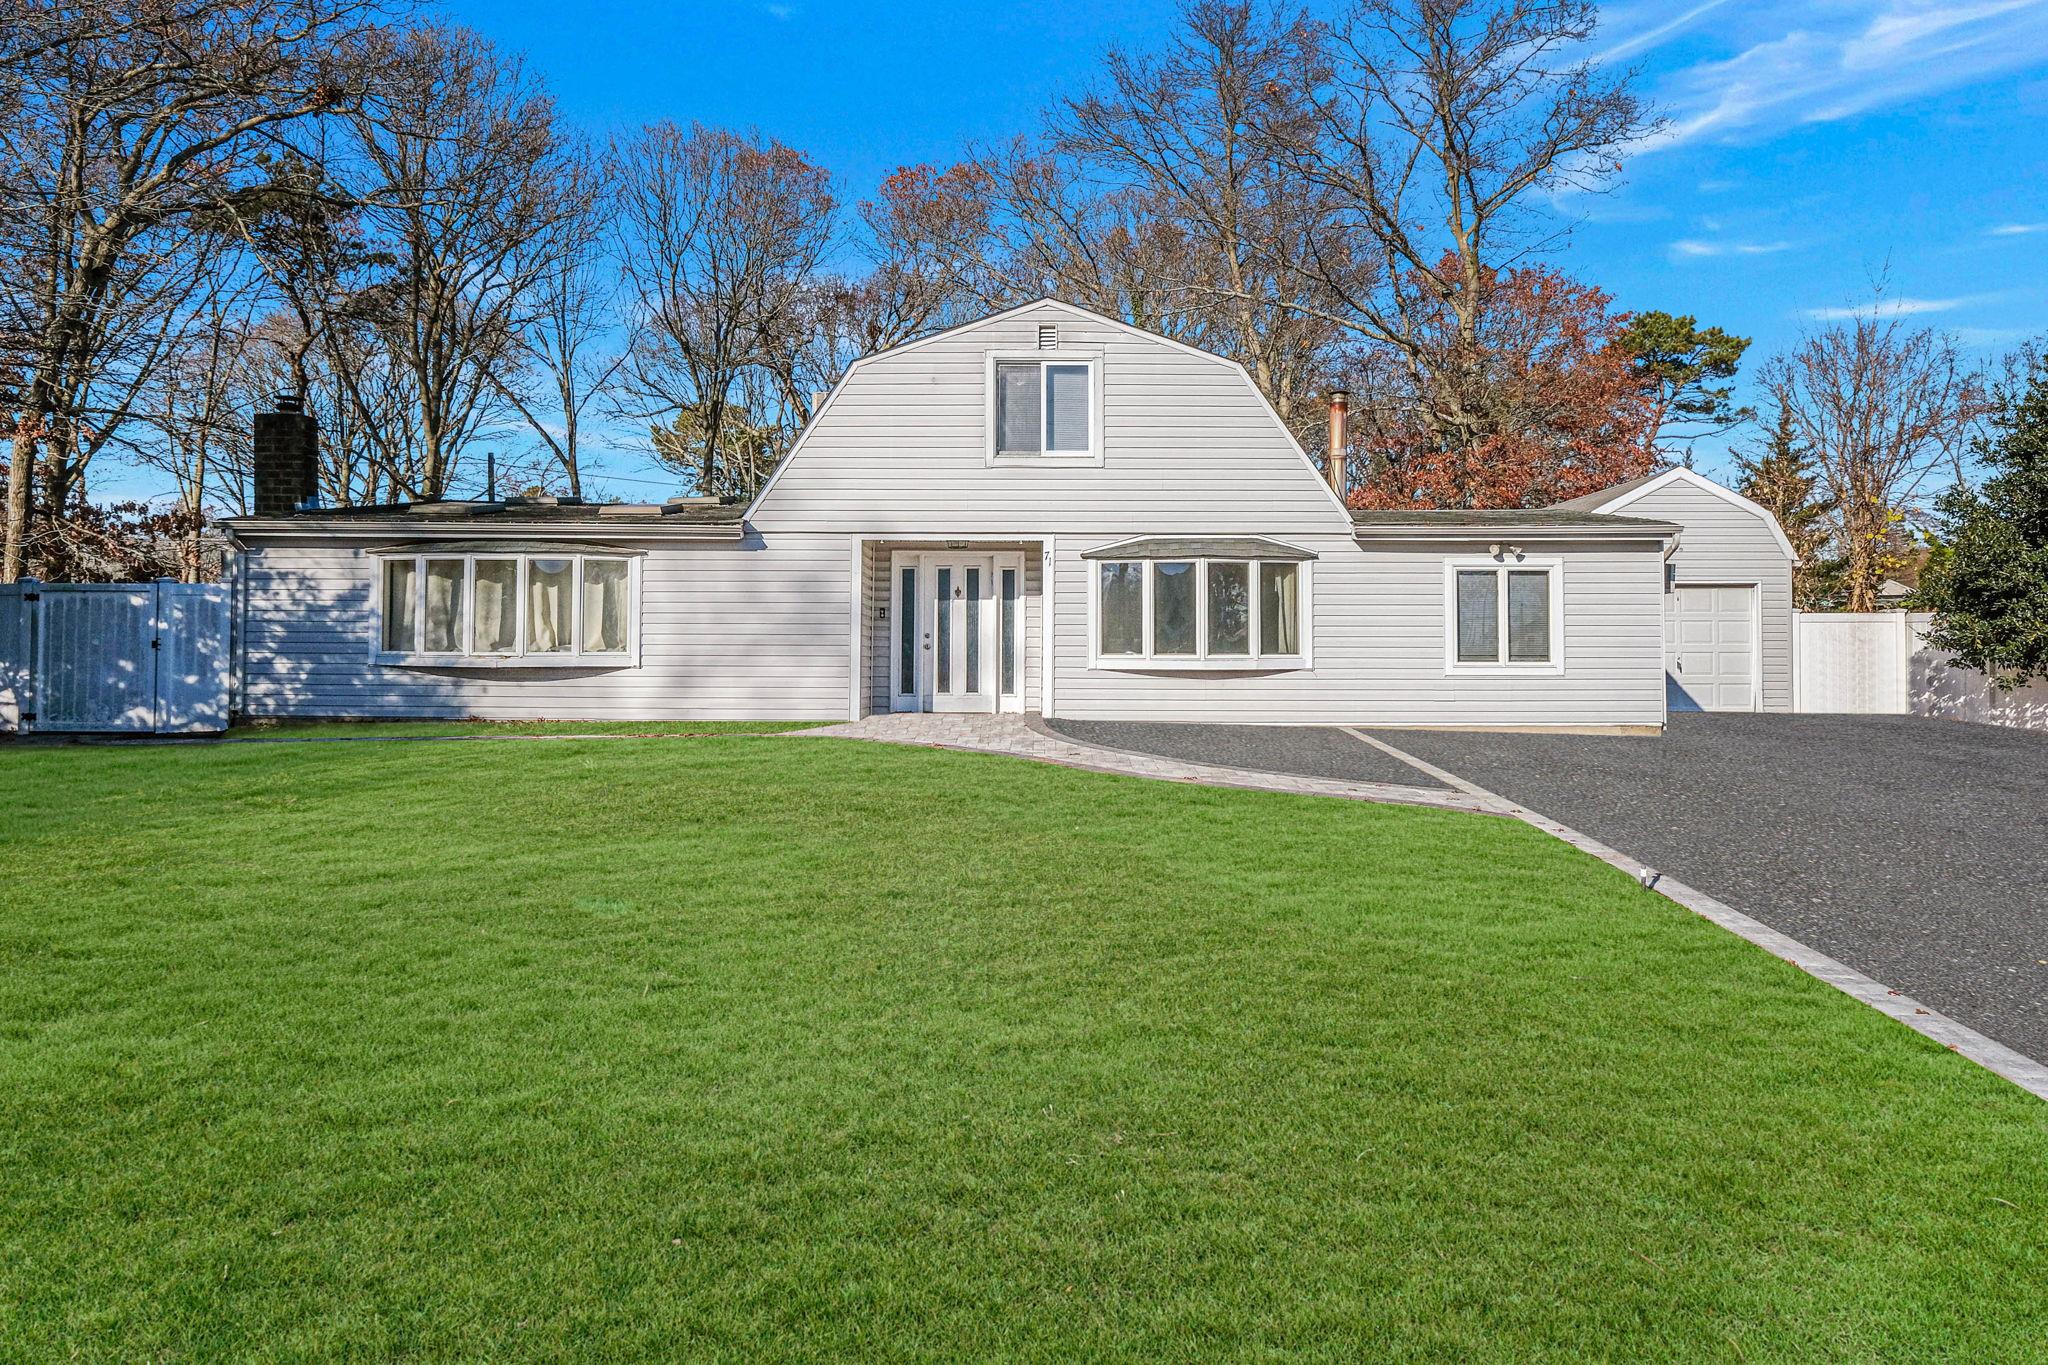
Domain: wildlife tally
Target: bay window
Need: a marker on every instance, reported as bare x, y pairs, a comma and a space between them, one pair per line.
1504, 617
542, 607
1198, 612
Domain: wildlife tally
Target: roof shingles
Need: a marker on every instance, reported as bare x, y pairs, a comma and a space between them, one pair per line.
481, 514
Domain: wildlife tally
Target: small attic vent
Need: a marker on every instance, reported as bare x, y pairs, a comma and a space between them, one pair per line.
1048, 337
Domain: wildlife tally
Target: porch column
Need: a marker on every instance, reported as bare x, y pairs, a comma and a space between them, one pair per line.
856, 617
1046, 570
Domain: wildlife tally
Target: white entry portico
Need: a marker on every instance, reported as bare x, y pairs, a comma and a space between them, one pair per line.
956, 629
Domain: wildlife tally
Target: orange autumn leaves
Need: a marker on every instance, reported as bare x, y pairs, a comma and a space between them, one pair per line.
1532, 403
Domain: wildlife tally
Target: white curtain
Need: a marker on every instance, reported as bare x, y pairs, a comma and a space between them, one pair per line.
401, 605
444, 606
497, 606
1280, 609
548, 605
1017, 408
604, 605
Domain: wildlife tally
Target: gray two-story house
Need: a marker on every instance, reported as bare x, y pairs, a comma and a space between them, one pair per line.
1047, 511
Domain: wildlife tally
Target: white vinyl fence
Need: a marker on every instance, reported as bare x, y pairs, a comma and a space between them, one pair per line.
1853, 662
1878, 663
114, 657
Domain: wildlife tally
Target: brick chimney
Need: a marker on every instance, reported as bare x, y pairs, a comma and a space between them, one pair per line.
286, 468
1340, 400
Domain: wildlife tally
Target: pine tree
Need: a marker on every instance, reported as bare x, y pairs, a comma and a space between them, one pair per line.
1780, 477
1989, 593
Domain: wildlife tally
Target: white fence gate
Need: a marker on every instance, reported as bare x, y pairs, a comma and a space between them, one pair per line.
114, 657
1855, 662
1878, 663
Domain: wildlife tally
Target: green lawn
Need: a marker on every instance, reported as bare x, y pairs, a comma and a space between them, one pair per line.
438, 729
785, 1048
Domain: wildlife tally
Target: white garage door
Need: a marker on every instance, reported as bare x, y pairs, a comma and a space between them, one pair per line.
1710, 648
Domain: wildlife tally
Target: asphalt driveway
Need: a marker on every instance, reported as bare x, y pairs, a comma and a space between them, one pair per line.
1914, 850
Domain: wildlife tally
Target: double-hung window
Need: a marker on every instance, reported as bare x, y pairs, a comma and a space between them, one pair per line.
496, 608
1044, 406
1504, 617
1200, 612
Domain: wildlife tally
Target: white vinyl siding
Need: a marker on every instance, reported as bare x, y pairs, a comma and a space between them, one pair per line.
1379, 649
902, 449
727, 631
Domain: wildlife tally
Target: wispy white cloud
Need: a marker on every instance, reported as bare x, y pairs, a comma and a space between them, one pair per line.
1901, 307
2016, 229
1629, 44
1829, 60
1698, 248
779, 11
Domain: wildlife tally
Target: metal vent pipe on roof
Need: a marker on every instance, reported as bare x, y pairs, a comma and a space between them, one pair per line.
1340, 400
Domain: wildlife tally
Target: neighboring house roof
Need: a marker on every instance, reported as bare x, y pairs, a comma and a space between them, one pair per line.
685, 517
1620, 496
1892, 590
1548, 521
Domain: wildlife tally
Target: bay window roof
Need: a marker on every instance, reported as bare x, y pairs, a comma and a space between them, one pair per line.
1200, 547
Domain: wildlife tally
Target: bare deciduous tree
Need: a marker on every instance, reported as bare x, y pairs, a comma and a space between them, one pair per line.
1429, 123
194, 426
562, 363
722, 237
1187, 130
127, 123
1882, 407
460, 143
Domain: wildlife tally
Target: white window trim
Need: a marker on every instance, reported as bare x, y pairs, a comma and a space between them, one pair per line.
467, 657
1092, 359
1201, 661
1502, 564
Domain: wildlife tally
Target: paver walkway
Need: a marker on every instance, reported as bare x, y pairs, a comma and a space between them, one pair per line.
1024, 736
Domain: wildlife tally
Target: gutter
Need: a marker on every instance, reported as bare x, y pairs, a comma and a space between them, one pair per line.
1662, 535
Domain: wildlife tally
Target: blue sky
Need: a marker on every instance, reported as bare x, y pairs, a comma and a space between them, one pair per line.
1813, 146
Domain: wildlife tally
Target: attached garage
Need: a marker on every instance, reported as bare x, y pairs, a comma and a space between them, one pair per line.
1728, 592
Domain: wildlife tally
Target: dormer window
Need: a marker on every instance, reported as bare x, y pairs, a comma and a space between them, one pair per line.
1045, 407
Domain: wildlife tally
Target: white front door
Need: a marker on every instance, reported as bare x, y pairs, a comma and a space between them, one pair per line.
943, 650
1710, 648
